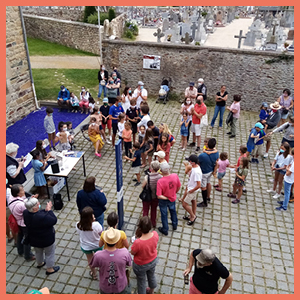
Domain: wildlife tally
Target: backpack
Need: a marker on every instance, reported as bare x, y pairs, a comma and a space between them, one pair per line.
229, 118
57, 202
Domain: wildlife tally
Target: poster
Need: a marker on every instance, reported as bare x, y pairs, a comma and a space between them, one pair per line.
151, 62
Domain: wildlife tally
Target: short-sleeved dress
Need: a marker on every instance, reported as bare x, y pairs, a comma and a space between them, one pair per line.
39, 178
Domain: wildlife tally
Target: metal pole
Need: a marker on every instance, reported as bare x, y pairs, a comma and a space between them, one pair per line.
100, 41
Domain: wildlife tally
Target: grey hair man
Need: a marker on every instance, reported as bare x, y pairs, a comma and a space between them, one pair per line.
202, 90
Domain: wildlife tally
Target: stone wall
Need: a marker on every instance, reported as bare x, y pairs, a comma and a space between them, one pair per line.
19, 94
72, 13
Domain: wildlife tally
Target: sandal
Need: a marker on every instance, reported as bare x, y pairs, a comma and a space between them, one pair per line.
235, 201
191, 222
218, 189
231, 195
216, 185
94, 277
186, 218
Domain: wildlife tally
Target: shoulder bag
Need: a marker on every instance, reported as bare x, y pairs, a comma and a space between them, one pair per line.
146, 194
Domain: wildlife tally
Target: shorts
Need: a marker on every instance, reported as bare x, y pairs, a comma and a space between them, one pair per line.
111, 101
115, 128
281, 171
190, 196
91, 251
258, 150
205, 179
195, 128
268, 138
221, 175
150, 153
284, 116
143, 149
109, 124
184, 132
133, 127
291, 143
136, 170
100, 127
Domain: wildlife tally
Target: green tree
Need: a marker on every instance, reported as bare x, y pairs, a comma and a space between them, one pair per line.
88, 10
111, 14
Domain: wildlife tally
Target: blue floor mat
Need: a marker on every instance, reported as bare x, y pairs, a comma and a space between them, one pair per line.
30, 129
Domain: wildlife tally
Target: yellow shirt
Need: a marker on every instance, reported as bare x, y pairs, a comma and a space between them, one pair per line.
205, 147
119, 244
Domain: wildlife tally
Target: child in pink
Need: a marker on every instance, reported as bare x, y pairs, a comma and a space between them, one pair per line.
223, 163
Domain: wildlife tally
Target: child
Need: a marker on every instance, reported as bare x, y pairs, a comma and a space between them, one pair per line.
91, 103
184, 131
121, 125
145, 116
50, 127
89, 231
84, 102
63, 136
97, 115
259, 141
205, 147
142, 131
149, 147
132, 115
279, 164
263, 115
239, 183
94, 135
222, 163
163, 128
104, 110
155, 132
251, 141
243, 153
136, 162
126, 136
164, 145
72, 133
74, 102
39, 168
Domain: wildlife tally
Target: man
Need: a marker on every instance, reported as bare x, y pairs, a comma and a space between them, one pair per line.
202, 90
190, 194
167, 187
208, 166
207, 272
271, 122
16, 204
191, 92
198, 112
63, 97
116, 71
117, 82
112, 263
114, 112
140, 94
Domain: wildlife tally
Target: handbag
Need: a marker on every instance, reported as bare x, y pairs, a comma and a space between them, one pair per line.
103, 82
204, 121
57, 202
12, 222
285, 111
146, 194
229, 118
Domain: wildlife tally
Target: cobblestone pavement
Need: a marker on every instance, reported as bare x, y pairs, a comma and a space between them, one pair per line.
255, 242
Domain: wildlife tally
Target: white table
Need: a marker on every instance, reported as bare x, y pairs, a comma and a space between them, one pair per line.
65, 166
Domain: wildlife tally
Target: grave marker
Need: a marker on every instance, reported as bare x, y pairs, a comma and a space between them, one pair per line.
240, 37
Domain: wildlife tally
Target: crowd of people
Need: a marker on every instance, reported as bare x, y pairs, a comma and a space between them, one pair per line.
146, 145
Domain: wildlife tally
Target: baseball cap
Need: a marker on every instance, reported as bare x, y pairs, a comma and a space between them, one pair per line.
259, 125
192, 83
160, 154
205, 256
265, 104
62, 87
140, 83
105, 100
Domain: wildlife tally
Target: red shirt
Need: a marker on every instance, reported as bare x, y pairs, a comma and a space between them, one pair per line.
166, 149
145, 250
167, 186
199, 109
239, 160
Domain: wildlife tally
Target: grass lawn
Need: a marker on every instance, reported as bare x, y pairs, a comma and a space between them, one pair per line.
48, 81
44, 48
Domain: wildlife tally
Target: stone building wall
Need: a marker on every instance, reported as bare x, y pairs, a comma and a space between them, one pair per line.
19, 94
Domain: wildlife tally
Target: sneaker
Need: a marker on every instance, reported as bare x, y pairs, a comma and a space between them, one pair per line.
236, 201
208, 199
108, 142
230, 195
276, 196
253, 161
232, 136
280, 202
257, 161
280, 208
220, 127
197, 149
110, 138
160, 229
202, 204
228, 133
134, 179
183, 149
266, 155
192, 144
244, 191
137, 184
271, 191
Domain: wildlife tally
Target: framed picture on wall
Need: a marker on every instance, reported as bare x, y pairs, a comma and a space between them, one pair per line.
151, 62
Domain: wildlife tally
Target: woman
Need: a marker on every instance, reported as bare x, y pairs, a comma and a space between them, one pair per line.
144, 250
287, 104
112, 91
187, 107
41, 233
235, 109
102, 77
221, 98
126, 97
94, 135
90, 196
153, 178
288, 129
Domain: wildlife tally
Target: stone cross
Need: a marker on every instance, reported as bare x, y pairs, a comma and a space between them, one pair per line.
186, 38
193, 27
240, 37
158, 34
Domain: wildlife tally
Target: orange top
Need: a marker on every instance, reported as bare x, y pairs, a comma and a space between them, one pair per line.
126, 135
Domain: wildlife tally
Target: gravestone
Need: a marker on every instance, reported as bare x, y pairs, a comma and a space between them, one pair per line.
219, 17
290, 19
210, 26
186, 28
193, 27
250, 39
165, 25
291, 34
176, 33
175, 18
240, 37
225, 17
172, 23
185, 16
159, 34
187, 39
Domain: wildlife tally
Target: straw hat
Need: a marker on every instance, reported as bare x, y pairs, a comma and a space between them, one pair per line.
275, 106
111, 236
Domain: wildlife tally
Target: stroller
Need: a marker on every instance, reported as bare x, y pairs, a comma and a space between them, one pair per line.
164, 91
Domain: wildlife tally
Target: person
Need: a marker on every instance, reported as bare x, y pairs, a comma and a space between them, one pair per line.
235, 109
198, 112
50, 127
155, 132
221, 98
164, 145
74, 102
102, 78
187, 107
89, 231
287, 103
11, 233
121, 126
91, 104
93, 197
202, 90
222, 163
259, 142
288, 129
96, 113
14, 166
184, 130
271, 122
166, 190
126, 136
144, 251
126, 97
146, 118
279, 164
41, 233
136, 162
63, 137
140, 94
104, 110
132, 115
163, 128
114, 112
191, 92
112, 263
251, 140
116, 72
241, 174
112, 89
94, 135
43, 155
190, 193
16, 204
263, 115
288, 182
208, 166
160, 156
63, 98
153, 177
112, 222
148, 142
84, 101
207, 272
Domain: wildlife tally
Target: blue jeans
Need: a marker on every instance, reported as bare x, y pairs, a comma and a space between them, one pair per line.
163, 206
102, 88
218, 109
100, 219
287, 193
